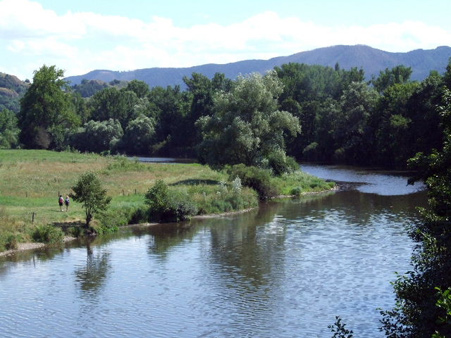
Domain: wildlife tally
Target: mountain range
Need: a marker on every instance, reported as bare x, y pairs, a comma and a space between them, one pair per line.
371, 60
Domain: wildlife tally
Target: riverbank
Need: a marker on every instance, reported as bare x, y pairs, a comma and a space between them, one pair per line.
33, 179
32, 246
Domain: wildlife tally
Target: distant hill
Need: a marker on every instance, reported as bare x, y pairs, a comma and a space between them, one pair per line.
371, 60
11, 90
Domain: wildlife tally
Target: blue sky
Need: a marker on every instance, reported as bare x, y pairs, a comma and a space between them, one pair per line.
83, 35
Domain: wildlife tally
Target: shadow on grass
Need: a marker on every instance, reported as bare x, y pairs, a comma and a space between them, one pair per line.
66, 225
195, 182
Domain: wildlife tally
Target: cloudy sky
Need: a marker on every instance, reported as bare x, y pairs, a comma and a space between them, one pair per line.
82, 35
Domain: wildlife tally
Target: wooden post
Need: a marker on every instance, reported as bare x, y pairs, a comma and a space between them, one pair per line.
32, 216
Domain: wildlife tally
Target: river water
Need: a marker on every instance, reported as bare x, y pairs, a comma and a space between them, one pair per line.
284, 270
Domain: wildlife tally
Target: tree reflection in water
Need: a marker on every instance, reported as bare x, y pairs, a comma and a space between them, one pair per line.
91, 278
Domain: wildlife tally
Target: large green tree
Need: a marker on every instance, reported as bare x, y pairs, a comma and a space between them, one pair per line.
246, 126
46, 110
169, 106
350, 126
112, 103
138, 136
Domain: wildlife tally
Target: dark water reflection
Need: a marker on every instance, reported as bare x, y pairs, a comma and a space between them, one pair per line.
284, 270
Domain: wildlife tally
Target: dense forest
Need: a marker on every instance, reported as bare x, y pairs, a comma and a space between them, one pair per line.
312, 113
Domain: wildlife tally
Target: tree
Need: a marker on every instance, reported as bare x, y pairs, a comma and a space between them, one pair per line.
8, 129
98, 136
138, 136
169, 105
45, 109
391, 125
112, 103
140, 88
420, 308
246, 126
357, 104
88, 191
389, 77
168, 206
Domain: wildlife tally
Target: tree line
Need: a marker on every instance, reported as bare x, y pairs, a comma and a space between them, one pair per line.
311, 113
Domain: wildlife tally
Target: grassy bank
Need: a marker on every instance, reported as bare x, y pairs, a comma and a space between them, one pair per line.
33, 179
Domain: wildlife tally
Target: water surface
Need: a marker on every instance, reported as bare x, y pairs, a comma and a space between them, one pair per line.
284, 270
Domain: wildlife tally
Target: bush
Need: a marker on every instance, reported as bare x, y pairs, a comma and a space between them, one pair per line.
168, 206
110, 221
8, 241
11, 242
48, 234
282, 164
255, 178
139, 215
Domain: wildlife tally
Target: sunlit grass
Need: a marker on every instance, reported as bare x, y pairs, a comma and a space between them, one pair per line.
31, 181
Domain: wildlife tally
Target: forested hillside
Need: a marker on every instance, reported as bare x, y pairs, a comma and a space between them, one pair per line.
11, 89
371, 60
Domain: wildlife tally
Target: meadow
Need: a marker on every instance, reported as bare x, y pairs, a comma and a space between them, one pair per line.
31, 181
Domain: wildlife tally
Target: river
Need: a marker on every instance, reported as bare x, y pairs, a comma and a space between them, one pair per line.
284, 270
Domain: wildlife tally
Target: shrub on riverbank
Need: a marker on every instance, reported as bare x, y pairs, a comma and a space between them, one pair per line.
10, 231
255, 178
168, 206
48, 234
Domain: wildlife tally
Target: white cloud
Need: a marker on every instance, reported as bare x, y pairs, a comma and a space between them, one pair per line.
79, 42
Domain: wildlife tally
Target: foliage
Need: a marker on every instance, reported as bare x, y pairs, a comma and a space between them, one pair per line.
339, 330
419, 307
48, 234
115, 104
389, 77
357, 104
444, 303
169, 106
280, 163
45, 109
253, 120
9, 132
88, 88
168, 206
255, 178
11, 231
98, 137
246, 126
140, 88
88, 191
138, 136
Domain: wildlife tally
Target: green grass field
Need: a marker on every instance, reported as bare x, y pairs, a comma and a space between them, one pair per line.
31, 181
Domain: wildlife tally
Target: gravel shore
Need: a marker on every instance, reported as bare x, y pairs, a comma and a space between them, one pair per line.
31, 246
